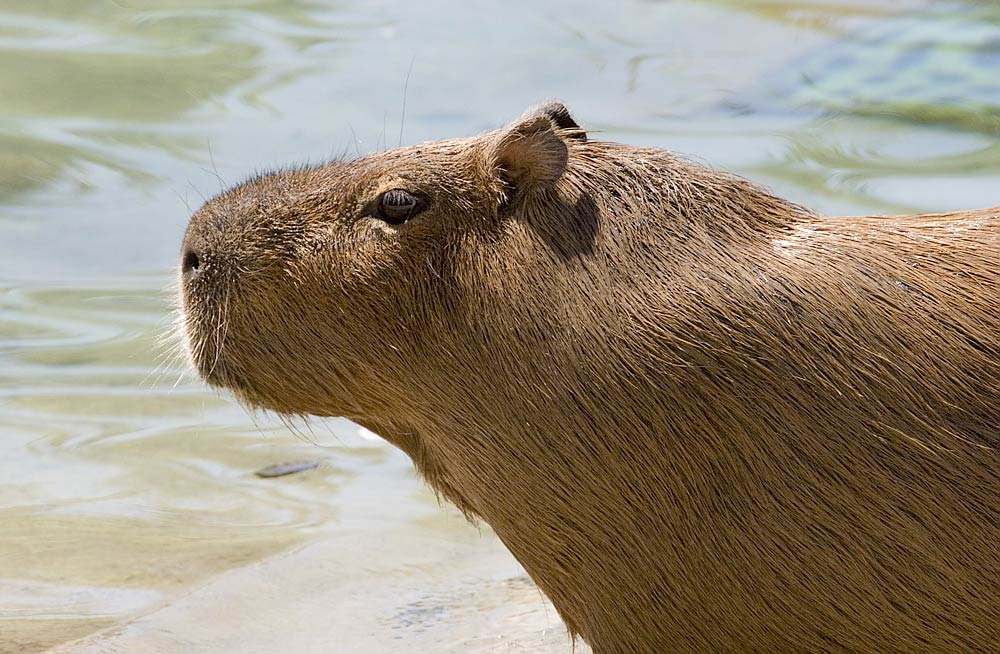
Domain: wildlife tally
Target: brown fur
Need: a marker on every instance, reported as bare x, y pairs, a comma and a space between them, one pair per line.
702, 417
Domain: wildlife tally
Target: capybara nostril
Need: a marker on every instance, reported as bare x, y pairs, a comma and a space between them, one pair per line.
190, 261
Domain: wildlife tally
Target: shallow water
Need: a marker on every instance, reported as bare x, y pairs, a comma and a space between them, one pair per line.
129, 506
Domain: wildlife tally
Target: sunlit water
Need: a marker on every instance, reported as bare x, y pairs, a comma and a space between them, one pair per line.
131, 518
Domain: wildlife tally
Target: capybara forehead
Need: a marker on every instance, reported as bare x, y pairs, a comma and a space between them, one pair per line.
443, 166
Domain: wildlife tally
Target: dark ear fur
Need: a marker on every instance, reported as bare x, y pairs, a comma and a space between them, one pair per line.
559, 113
532, 151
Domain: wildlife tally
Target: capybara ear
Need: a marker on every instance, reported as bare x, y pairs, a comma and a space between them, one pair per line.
532, 151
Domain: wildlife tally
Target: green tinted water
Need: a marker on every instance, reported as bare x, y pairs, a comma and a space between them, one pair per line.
130, 514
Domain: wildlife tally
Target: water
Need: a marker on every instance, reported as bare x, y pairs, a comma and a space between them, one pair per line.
131, 518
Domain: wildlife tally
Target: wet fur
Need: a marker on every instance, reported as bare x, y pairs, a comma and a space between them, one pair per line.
703, 418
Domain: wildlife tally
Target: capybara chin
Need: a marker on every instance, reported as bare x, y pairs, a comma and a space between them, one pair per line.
704, 418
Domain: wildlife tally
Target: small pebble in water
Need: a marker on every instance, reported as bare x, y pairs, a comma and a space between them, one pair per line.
282, 469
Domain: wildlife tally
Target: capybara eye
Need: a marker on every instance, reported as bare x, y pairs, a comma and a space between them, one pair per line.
397, 206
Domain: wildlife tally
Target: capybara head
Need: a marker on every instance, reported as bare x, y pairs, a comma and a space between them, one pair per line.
320, 290
704, 418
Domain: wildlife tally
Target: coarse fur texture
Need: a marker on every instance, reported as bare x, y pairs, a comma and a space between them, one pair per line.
703, 418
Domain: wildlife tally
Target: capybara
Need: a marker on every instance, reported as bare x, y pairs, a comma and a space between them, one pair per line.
704, 418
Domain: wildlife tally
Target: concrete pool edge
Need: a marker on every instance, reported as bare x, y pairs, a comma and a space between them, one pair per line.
319, 598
